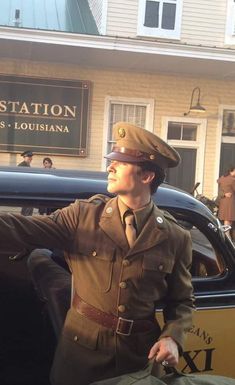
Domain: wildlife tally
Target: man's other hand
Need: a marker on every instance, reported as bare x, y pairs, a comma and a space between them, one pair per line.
165, 351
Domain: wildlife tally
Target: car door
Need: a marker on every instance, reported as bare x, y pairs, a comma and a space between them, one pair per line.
211, 339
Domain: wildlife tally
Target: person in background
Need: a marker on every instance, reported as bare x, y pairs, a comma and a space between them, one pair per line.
226, 212
47, 163
28, 157
126, 256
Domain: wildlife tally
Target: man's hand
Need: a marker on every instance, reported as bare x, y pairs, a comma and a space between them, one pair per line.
228, 195
166, 350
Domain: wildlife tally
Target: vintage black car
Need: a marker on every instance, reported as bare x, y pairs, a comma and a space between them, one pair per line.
34, 298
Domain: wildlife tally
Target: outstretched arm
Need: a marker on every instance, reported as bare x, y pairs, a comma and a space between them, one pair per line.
56, 230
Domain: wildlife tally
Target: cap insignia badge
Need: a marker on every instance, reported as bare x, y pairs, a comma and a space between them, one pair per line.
121, 132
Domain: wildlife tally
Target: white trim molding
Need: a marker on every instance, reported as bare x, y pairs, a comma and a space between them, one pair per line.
143, 30
220, 139
230, 23
117, 44
103, 28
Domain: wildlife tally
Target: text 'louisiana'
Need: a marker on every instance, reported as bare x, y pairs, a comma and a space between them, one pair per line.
41, 127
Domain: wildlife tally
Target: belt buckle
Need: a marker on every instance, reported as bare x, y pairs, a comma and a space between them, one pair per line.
120, 320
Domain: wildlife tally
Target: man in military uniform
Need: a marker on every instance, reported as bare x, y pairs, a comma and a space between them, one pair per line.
125, 255
28, 157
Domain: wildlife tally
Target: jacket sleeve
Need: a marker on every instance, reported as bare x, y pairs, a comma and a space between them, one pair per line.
179, 307
54, 231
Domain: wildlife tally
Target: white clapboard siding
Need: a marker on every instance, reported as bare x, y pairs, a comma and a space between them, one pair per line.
203, 21
122, 18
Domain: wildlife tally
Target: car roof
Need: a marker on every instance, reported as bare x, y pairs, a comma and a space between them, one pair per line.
58, 185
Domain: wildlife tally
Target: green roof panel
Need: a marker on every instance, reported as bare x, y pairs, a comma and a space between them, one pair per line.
72, 16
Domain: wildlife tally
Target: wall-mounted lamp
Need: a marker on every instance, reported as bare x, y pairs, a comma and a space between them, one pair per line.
195, 107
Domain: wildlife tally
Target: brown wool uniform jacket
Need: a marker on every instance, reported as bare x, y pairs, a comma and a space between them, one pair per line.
118, 280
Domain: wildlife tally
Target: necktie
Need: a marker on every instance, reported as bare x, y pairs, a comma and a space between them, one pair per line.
130, 228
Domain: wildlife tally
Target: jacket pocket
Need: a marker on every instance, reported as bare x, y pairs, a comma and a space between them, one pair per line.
155, 268
80, 331
98, 258
158, 263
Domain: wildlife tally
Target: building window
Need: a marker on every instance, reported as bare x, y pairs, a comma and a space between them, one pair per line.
135, 111
160, 18
134, 114
230, 24
228, 125
182, 131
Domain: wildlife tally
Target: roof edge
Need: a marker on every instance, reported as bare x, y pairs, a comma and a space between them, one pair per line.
123, 44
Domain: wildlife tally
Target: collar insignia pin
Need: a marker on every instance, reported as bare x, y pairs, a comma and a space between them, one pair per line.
109, 210
159, 220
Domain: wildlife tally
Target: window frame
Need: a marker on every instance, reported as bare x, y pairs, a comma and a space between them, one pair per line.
198, 144
149, 103
230, 23
221, 139
159, 32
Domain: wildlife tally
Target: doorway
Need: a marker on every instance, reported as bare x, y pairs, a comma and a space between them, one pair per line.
227, 157
188, 137
183, 176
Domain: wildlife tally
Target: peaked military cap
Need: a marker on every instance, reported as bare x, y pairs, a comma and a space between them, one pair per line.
27, 153
134, 144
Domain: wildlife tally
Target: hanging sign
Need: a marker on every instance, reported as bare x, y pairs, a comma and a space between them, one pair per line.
48, 116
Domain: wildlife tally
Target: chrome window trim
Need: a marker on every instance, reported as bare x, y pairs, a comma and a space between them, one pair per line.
215, 307
206, 308
209, 296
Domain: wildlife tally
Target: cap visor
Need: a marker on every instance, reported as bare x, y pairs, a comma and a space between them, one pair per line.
123, 157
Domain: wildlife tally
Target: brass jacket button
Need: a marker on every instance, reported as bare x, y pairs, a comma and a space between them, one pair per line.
160, 267
75, 338
94, 253
123, 285
121, 308
126, 262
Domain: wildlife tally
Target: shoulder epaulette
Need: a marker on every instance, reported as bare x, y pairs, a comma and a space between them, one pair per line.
167, 215
184, 224
98, 198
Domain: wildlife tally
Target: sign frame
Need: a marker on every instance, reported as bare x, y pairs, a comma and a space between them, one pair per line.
44, 115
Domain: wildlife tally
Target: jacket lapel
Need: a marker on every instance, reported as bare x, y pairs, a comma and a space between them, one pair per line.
111, 224
154, 232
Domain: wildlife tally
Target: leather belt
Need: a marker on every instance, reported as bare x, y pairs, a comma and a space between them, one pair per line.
120, 325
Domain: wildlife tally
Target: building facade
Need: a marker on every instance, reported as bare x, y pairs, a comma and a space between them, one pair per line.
146, 62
